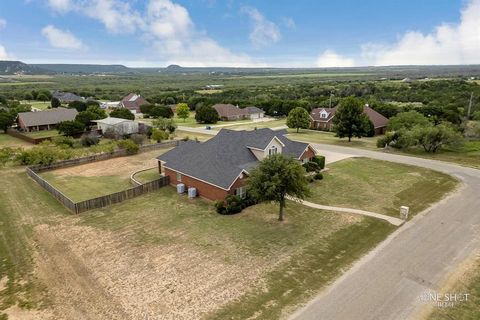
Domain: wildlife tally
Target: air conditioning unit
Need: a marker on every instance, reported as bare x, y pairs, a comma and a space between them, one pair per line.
192, 193
180, 188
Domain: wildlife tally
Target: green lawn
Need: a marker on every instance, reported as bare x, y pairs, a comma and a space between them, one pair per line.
380, 186
12, 142
41, 105
147, 175
314, 136
258, 125
79, 188
179, 134
42, 133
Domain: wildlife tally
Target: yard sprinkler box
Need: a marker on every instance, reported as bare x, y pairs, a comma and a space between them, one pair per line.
404, 212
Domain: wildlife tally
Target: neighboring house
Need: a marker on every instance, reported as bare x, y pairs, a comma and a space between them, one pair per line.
110, 105
44, 120
67, 97
221, 165
133, 102
255, 113
228, 112
322, 119
118, 126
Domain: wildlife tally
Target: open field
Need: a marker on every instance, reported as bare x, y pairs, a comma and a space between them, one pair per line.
179, 134
100, 178
12, 142
41, 105
209, 91
9, 84
258, 125
164, 255
467, 155
380, 186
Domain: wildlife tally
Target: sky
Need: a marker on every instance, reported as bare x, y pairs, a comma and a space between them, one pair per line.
241, 33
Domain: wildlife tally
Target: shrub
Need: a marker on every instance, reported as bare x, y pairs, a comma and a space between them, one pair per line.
122, 113
161, 111
88, 140
310, 179
233, 204
130, 146
320, 160
318, 176
43, 155
220, 207
159, 135
7, 154
311, 166
63, 141
138, 138
111, 134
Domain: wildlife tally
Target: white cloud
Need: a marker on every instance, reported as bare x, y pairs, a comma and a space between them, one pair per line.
116, 16
264, 32
330, 58
61, 39
448, 44
61, 5
3, 23
3, 53
289, 23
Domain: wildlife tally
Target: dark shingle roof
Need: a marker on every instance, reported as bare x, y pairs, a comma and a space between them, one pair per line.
315, 114
53, 116
251, 110
220, 160
229, 110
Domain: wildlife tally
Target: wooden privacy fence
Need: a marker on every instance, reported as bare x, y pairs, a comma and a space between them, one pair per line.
103, 201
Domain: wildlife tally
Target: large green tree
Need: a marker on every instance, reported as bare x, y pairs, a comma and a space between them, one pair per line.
55, 103
407, 120
298, 118
122, 113
276, 177
6, 120
432, 138
349, 120
206, 114
183, 111
70, 128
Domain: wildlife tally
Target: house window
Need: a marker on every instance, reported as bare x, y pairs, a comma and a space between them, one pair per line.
323, 115
179, 177
272, 150
241, 192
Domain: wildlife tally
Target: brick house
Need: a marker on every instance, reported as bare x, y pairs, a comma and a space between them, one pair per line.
44, 120
322, 119
133, 102
220, 166
229, 112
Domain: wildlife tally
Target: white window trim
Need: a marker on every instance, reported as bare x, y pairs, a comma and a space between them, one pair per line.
241, 192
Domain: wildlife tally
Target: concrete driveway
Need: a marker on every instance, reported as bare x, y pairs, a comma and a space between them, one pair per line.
389, 282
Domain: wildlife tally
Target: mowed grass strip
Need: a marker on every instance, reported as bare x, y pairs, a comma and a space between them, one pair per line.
147, 175
7, 140
380, 186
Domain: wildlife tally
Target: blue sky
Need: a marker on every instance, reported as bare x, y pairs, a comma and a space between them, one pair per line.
302, 33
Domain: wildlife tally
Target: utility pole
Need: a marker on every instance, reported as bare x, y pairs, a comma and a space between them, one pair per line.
470, 106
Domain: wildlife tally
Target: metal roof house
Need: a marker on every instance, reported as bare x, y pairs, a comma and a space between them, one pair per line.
44, 120
220, 166
117, 125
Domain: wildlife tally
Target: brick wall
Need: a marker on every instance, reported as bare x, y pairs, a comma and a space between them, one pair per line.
204, 190
308, 154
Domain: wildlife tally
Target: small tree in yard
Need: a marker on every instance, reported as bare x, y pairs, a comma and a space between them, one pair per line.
276, 177
206, 114
165, 124
349, 120
183, 111
159, 135
298, 118
122, 113
70, 128
55, 103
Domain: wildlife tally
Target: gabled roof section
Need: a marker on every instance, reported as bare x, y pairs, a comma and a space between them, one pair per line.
229, 110
378, 120
252, 110
220, 160
316, 114
133, 101
47, 117
112, 121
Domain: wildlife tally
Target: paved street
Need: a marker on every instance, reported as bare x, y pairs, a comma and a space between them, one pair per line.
388, 282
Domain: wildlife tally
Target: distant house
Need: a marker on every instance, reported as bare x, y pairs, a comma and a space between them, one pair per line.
221, 165
118, 126
255, 113
44, 120
67, 97
229, 112
322, 119
133, 102
110, 105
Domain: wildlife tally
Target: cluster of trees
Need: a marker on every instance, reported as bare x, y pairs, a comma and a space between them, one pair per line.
9, 110
82, 122
409, 129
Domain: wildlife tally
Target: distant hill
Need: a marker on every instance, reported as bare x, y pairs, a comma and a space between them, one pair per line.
83, 68
18, 67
